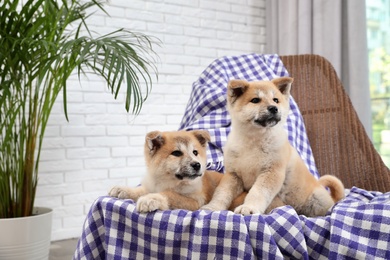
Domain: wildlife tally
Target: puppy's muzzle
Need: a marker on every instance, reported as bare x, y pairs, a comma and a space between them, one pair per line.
269, 119
191, 173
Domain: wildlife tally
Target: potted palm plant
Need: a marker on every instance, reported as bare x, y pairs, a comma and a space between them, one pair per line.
43, 43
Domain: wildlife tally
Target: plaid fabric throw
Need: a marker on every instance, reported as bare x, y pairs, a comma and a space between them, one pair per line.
357, 228
206, 108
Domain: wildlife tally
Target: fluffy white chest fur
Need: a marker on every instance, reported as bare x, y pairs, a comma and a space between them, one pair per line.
253, 152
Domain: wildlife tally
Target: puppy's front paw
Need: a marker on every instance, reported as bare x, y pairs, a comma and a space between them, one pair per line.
151, 202
121, 192
247, 210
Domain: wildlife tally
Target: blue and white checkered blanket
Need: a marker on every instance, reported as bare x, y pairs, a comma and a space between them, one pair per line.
358, 227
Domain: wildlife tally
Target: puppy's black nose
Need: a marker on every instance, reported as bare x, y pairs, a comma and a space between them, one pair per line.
272, 109
195, 166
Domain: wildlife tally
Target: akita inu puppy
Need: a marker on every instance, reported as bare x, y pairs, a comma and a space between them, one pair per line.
259, 158
176, 173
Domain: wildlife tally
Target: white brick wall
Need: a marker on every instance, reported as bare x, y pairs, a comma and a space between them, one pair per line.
102, 145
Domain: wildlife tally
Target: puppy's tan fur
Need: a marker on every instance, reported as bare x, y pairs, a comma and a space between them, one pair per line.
176, 173
259, 158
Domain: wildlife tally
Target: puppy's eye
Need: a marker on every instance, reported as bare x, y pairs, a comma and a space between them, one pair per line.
276, 100
177, 153
255, 100
195, 152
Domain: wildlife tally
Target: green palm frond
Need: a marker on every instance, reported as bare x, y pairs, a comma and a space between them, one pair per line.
43, 43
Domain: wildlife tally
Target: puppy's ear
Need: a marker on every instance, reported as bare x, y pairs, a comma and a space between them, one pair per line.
236, 88
284, 85
154, 140
202, 135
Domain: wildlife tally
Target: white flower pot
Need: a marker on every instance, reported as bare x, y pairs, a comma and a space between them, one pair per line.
26, 238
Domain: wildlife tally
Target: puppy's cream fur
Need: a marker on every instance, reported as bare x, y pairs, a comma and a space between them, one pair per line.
259, 158
176, 173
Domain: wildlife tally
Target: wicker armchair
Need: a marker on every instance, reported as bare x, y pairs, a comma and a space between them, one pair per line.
339, 142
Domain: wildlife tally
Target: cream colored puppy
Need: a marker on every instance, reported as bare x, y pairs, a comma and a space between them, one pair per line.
176, 173
259, 158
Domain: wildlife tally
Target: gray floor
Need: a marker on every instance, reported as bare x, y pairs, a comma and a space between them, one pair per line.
63, 249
